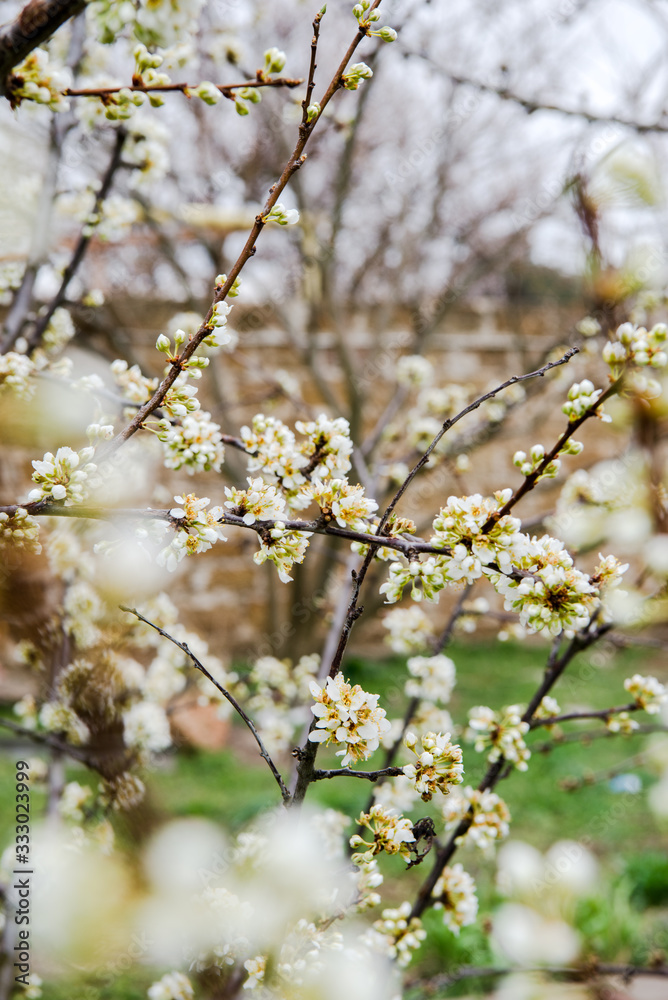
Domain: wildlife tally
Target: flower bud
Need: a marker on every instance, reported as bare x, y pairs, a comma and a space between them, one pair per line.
208, 92
163, 344
274, 60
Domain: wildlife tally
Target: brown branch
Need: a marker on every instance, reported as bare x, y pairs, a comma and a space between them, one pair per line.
531, 480
226, 694
539, 373
313, 65
293, 164
226, 89
36, 22
384, 772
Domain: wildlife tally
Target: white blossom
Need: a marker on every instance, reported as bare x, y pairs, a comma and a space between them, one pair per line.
404, 934
647, 691
282, 547
437, 766
198, 531
63, 476
260, 501
434, 677
488, 812
349, 716
389, 832
15, 372
503, 733
409, 629
454, 894
145, 725
19, 530
172, 986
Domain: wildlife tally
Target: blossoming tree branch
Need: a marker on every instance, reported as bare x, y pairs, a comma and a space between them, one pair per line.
275, 914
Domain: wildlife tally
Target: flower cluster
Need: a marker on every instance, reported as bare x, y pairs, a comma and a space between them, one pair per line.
220, 336
390, 833
454, 893
282, 547
459, 525
164, 22
434, 677
277, 691
35, 80
426, 577
19, 530
636, 345
488, 813
282, 215
194, 444
548, 708
63, 476
59, 331
504, 732
360, 12
528, 465
554, 595
15, 372
146, 148
404, 934
347, 715
197, 531
135, 387
648, 692
272, 448
339, 499
582, 397
146, 727
437, 767
622, 723
328, 448
409, 629
260, 502
414, 370
355, 75
181, 397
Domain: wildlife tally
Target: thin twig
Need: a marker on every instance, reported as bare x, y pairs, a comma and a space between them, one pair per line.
603, 713
384, 772
148, 88
313, 65
589, 735
47, 739
531, 106
468, 409
531, 480
226, 694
